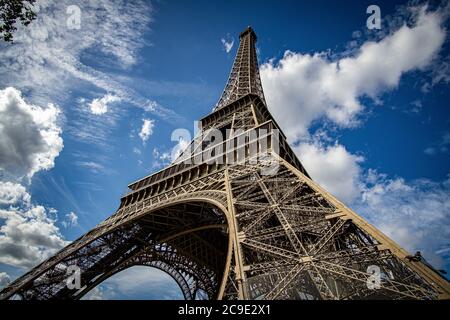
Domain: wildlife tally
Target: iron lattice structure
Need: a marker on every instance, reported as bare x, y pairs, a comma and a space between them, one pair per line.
229, 230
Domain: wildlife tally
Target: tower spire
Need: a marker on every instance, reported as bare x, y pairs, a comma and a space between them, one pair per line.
244, 77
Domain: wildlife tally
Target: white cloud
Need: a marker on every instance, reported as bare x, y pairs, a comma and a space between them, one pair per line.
28, 234
11, 193
29, 142
317, 87
48, 52
314, 86
29, 135
100, 106
4, 279
48, 60
71, 220
416, 214
147, 129
227, 43
333, 167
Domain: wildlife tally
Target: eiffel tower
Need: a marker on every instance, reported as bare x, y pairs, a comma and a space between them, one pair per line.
244, 222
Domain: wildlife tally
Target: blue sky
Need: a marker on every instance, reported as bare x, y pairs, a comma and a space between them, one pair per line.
365, 110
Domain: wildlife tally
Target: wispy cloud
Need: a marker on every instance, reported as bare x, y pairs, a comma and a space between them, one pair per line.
48, 60
137, 151
70, 220
441, 146
161, 158
164, 156
49, 50
416, 106
91, 165
227, 43
198, 90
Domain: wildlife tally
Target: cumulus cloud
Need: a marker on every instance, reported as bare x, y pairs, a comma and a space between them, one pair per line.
415, 214
316, 86
227, 43
28, 234
11, 193
333, 167
4, 279
29, 135
320, 86
44, 62
29, 142
322, 89
100, 106
147, 129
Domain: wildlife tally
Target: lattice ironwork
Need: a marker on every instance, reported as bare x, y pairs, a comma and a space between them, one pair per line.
244, 77
229, 230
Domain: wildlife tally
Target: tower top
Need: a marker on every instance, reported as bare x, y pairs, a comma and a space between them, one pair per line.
244, 77
248, 30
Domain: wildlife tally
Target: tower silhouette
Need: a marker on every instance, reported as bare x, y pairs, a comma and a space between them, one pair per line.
236, 216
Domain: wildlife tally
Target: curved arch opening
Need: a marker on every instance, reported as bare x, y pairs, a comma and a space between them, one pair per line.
187, 241
137, 283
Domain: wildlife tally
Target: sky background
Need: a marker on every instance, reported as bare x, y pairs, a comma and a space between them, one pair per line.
87, 108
